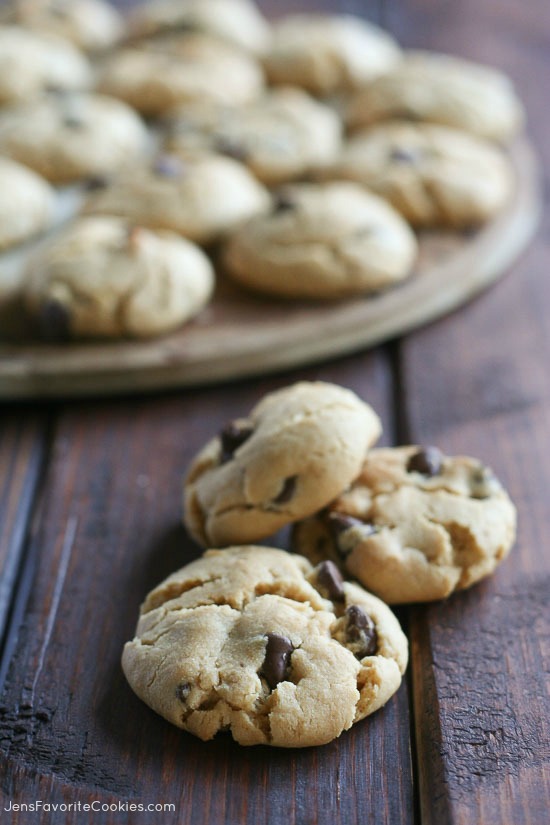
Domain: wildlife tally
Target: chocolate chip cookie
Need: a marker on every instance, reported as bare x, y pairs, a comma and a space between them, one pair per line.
31, 63
239, 22
70, 136
280, 137
103, 278
326, 53
155, 77
297, 450
440, 88
202, 198
433, 175
323, 241
415, 525
255, 641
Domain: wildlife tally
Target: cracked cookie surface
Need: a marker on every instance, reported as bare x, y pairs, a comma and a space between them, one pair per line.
323, 241
326, 53
69, 136
297, 450
433, 175
443, 89
103, 278
245, 640
415, 525
280, 137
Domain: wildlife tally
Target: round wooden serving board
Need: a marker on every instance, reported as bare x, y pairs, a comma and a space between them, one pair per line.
242, 334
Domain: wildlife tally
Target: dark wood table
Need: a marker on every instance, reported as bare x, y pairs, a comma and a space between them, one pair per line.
90, 520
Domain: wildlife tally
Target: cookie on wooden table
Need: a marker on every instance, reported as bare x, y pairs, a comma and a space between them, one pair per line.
280, 137
255, 641
240, 22
32, 63
297, 450
91, 25
103, 278
415, 525
328, 53
323, 241
202, 198
155, 77
433, 175
27, 203
440, 88
68, 136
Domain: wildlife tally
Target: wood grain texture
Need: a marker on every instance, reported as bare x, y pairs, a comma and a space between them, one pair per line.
107, 531
241, 334
23, 438
478, 383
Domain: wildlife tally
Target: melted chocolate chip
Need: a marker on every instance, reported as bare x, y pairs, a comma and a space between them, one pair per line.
232, 437
183, 691
54, 322
283, 203
428, 461
168, 166
231, 148
277, 659
287, 490
330, 580
361, 631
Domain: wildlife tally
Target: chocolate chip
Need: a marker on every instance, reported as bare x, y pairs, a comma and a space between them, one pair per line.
287, 490
232, 437
54, 322
183, 691
283, 203
340, 522
184, 27
484, 483
277, 659
168, 166
73, 121
330, 579
96, 182
428, 461
55, 89
231, 148
403, 155
361, 631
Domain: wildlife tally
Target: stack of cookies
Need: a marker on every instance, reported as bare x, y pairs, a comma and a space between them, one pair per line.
282, 648
306, 154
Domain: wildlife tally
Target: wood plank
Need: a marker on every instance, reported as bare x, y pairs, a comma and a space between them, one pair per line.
241, 334
23, 437
109, 529
478, 383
